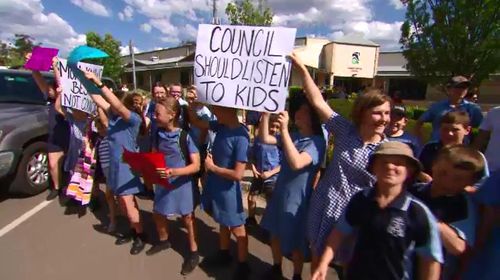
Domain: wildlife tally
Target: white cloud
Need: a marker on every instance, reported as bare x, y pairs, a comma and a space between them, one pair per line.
127, 14
28, 17
94, 7
397, 4
125, 50
385, 34
146, 27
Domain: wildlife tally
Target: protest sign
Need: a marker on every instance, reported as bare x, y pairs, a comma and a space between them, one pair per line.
41, 59
74, 93
243, 66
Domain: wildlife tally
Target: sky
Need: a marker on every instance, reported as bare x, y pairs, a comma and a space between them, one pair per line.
156, 24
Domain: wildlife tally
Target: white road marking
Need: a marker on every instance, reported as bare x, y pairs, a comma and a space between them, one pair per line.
23, 218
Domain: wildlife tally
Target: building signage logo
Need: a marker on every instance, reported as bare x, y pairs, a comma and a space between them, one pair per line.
355, 57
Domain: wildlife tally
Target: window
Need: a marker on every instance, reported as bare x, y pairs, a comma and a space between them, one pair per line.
19, 87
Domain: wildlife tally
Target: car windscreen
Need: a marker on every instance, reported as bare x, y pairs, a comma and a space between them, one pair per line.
19, 88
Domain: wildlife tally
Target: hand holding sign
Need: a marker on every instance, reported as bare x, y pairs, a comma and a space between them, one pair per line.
40, 59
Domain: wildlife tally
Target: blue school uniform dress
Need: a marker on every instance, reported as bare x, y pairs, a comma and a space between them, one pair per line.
286, 213
222, 197
484, 264
179, 200
265, 158
123, 134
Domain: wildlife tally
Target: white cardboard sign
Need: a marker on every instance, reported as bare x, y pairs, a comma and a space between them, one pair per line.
243, 66
74, 94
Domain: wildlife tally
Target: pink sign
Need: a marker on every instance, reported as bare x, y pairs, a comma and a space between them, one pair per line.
41, 59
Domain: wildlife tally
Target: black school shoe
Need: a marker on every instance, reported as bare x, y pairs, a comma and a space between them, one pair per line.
221, 258
274, 273
53, 193
242, 271
158, 247
123, 238
190, 263
138, 244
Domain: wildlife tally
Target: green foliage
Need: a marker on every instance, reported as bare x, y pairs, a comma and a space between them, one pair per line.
15, 56
244, 13
112, 64
441, 38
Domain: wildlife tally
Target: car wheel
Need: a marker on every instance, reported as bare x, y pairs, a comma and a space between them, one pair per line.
32, 175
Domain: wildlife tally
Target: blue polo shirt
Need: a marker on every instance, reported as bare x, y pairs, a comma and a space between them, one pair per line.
409, 140
388, 238
439, 109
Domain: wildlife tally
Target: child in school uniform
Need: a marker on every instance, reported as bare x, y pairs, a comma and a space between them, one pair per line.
221, 196
183, 161
454, 127
265, 167
395, 234
286, 213
455, 170
396, 129
123, 129
102, 167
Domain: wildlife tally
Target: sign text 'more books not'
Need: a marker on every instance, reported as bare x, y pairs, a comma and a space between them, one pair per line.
74, 93
243, 66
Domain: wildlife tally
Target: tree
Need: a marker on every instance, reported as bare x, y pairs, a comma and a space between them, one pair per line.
112, 64
441, 38
244, 13
12, 55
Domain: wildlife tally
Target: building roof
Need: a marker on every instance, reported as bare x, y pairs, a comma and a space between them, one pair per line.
160, 61
355, 39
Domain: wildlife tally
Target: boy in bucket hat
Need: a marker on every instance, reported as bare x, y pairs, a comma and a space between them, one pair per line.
456, 89
390, 224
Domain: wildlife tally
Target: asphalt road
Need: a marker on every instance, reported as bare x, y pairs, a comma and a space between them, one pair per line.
61, 243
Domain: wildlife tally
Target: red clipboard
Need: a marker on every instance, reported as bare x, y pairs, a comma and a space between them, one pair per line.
146, 165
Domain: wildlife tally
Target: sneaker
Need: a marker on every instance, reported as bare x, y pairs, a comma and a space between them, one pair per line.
251, 222
138, 244
242, 271
158, 247
275, 273
190, 263
222, 258
123, 238
53, 193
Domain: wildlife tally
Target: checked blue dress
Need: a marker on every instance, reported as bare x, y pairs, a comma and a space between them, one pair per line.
345, 175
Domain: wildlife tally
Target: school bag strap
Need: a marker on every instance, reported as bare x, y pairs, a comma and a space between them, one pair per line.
183, 145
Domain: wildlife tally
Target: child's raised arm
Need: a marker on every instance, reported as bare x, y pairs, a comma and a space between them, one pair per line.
428, 268
297, 160
264, 135
311, 91
109, 98
192, 96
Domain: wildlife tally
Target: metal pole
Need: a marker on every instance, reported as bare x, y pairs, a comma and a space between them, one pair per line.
133, 64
